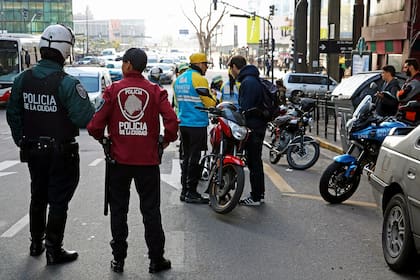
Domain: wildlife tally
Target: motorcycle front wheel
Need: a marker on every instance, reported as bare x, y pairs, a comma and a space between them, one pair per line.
334, 187
225, 196
303, 156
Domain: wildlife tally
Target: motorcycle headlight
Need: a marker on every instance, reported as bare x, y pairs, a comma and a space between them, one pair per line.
238, 132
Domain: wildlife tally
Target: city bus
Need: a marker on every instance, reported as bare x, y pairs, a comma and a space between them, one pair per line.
13, 48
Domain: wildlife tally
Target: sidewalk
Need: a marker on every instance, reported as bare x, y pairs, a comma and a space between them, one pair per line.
326, 141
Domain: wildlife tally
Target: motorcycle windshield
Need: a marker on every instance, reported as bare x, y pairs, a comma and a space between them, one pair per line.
234, 116
364, 107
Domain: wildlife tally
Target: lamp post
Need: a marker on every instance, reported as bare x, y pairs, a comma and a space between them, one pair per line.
271, 34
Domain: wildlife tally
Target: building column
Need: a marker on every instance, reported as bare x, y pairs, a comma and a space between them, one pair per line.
300, 35
334, 8
314, 34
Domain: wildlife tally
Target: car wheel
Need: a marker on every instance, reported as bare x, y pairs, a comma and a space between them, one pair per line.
397, 237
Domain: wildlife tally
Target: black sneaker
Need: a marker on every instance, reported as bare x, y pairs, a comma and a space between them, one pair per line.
182, 197
117, 266
159, 265
249, 201
195, 197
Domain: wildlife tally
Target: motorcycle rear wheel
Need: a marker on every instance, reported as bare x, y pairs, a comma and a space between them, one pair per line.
333, 188
304, 156
225, 197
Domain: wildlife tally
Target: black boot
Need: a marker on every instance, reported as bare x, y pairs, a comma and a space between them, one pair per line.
60, 256
117, 266
56, 254
159, 265
37, 247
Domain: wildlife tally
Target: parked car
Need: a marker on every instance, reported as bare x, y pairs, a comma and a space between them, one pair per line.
115, 70
348, 94
309, 84
93, 79
91, 60
168, 72
395, 184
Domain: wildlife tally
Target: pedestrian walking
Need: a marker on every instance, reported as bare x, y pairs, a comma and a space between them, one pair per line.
250, 97
130, 111
45, 110
282, 91
192, 90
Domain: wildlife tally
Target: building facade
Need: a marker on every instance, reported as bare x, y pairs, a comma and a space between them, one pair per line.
33, 16
391, 30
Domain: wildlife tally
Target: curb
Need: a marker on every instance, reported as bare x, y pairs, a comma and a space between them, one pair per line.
326, 145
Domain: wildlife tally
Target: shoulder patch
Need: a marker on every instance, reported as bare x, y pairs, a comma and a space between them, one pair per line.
81, 91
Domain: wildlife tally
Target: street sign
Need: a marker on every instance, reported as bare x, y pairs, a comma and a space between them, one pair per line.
335, 46
344, 46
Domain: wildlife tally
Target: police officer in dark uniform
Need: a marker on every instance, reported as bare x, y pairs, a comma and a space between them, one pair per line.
130, 111
45, 111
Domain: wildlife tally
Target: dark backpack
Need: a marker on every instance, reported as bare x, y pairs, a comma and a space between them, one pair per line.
270, 100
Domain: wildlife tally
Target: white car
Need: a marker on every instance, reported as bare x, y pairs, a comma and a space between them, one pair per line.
93, 79
309, 84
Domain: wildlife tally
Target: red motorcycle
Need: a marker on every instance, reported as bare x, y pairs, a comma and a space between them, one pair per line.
225, 163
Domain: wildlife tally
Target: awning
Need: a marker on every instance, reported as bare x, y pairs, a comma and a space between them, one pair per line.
384, 47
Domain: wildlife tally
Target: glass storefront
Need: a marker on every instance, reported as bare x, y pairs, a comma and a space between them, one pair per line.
33, 16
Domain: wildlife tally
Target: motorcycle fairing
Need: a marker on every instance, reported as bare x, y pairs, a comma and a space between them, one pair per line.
345, 159
229, 159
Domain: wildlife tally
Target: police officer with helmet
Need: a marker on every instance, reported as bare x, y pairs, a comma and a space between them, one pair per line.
46, 109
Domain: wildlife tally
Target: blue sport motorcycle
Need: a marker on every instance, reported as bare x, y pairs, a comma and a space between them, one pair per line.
366, 132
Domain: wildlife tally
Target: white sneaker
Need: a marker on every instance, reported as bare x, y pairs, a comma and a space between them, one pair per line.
249, 201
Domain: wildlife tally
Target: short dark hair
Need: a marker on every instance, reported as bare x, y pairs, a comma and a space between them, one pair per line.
390, 69
413, 62
137, 57
238, 60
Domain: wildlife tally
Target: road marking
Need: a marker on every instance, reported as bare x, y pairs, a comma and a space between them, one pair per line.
96, 162
277, 180
315, 197
6, 164
173, 178
16, 227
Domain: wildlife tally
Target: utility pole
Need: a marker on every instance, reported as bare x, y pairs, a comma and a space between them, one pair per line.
87, 31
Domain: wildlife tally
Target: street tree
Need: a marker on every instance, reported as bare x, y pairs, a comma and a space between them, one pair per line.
205, 25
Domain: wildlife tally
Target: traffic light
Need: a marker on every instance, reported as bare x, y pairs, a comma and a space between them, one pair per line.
272, 10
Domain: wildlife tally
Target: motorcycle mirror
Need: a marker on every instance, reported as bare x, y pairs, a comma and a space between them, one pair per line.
373, 85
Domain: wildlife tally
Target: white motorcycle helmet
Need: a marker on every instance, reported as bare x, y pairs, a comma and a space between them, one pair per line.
58, 37
155, 72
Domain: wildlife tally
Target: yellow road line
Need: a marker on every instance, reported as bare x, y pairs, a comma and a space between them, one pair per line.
347, 202
287, 190
277, 180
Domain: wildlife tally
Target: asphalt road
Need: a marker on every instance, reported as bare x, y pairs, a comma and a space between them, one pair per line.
294, 235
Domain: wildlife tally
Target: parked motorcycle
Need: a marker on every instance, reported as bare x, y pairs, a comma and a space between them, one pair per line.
225, 163
366, 132
288, 136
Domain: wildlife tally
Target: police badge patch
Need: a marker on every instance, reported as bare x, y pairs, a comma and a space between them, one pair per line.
81, 91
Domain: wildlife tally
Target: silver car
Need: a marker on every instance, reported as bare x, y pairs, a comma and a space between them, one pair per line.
395, 183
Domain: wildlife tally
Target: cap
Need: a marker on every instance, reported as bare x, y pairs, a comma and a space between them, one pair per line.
137, 58
217, 79
183, 67
198, 58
